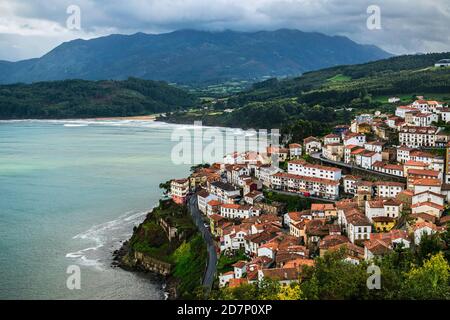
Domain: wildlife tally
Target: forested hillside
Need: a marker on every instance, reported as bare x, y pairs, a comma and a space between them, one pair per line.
312, 103
82, 99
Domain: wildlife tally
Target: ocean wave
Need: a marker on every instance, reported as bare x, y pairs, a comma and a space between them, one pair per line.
104, 237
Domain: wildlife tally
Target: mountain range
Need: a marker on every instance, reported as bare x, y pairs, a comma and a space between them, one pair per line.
192, 57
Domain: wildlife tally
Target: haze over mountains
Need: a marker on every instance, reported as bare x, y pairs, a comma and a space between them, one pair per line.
192, 57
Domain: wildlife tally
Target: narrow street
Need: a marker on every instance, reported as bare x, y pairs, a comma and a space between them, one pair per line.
208, 278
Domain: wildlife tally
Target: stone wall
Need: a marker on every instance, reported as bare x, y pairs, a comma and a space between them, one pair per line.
148, 263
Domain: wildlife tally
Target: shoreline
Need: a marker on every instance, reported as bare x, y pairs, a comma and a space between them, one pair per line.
168, 283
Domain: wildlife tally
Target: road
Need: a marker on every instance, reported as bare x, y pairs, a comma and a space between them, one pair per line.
288, 193
318, 156
211, 269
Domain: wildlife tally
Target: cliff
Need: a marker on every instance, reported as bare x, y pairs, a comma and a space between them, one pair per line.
167, 243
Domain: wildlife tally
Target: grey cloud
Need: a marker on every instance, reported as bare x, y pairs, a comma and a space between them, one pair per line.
407, 26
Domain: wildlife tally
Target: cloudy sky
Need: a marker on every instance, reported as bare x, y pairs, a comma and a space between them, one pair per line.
30, 28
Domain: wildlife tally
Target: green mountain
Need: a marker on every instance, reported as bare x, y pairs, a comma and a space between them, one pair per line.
191, 57
312, 103
84, 99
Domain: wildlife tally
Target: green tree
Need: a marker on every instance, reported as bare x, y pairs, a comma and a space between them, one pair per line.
429, 281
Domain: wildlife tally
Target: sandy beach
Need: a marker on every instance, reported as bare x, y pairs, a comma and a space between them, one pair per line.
137, 118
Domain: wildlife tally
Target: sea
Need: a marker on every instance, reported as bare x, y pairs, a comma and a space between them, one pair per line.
71, 192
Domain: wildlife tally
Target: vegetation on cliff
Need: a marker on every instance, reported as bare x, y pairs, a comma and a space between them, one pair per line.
184, 248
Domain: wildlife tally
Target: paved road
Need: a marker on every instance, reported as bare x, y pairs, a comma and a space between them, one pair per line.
208, 278
318, 156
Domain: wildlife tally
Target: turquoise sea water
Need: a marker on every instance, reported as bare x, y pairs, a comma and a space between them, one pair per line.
70, 192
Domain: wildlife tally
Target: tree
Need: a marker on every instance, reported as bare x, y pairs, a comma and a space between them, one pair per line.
430, 281
291, 292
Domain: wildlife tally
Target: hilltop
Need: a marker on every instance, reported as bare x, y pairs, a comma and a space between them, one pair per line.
191, 57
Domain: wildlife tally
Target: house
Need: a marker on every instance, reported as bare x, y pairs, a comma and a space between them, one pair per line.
201, 176
265, 173
445, 114
421, 185
254, 241
350, 183
427, 207
353, 254
383, 208
203, 197
375, 248
401, 111
213, 207
424, 119
253, 197
333, 151
358, 227
303, 168
403, 154
308, 186
393, 99
179, 189
382, 243
331, 139
367, 158
375, 146
416, 137
418, 165
233, 237
295, 151
387, 168
281, 154
285, 276
323, 210
236, 211
442, 63
225, 192
312, 145
388, 189
225, 278
383, 224
352, 138
330, 241
422, 229
240, 268
214, 221
235, 172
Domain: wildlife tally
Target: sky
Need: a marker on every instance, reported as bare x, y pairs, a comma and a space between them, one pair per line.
31, 28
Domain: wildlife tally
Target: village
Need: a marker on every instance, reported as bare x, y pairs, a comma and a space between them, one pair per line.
380, 182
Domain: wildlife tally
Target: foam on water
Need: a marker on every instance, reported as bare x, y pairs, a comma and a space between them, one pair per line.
104, 236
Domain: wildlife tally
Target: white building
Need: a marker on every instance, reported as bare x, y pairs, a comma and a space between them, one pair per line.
225, 192
303, 168
236, 211
357, 139
388, 189
416, 137
295, 150
312, 145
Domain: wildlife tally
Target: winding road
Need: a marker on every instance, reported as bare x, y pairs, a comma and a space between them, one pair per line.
211, 269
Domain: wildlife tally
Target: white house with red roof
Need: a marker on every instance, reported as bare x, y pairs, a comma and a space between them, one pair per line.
303, 168
295, 150
331, 138
353, 138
